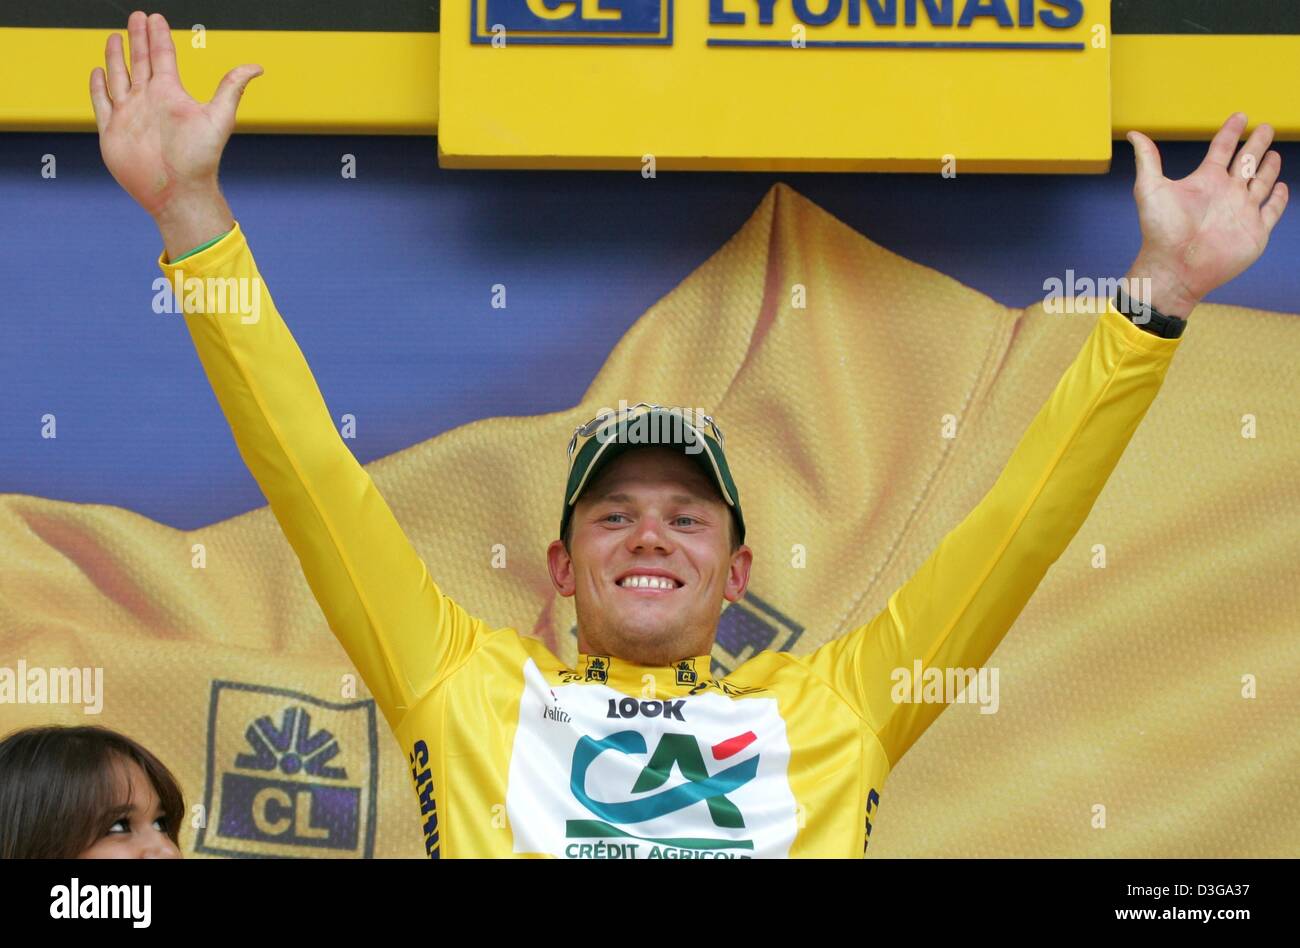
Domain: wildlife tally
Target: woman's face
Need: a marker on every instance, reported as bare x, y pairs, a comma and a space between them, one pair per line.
137, 829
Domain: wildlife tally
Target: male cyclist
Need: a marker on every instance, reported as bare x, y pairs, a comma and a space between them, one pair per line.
638, 751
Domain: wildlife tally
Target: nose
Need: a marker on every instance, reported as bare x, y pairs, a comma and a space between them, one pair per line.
159, 846
649, 534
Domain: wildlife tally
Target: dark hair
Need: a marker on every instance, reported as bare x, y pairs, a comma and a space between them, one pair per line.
58, 789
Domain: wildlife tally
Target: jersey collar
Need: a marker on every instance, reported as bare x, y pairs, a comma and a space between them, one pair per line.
679, 678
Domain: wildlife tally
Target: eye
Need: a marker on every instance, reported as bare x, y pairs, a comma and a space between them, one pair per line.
689, 520
120, 826
160, 824
608, 516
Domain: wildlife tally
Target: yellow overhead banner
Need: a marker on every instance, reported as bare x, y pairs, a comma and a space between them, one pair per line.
784, 85
1177, 67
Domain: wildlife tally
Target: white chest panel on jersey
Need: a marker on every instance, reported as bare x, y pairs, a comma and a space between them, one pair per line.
595, 773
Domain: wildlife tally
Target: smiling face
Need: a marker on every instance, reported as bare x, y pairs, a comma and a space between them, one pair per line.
650, 560
136, 827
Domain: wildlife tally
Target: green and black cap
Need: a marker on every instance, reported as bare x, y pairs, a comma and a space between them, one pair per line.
613, 433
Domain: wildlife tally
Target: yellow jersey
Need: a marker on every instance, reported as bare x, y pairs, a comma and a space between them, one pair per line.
512, 753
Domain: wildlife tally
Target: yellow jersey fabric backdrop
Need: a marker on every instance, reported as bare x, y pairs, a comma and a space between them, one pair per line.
860, 428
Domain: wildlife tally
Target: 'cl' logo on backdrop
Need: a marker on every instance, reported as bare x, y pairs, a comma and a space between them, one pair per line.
572, 22
288, 774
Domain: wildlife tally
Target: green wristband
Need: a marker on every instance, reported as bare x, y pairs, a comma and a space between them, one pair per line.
199, 247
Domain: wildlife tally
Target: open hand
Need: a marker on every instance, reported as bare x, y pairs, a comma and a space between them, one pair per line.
160, 144
1201, 231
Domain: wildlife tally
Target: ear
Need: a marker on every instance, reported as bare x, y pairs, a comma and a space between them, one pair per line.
738, 574
560, 564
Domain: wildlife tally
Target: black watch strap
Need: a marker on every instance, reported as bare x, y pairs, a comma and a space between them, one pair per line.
1147, 317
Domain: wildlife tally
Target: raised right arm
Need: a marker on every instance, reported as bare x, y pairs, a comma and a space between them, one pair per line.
401, 632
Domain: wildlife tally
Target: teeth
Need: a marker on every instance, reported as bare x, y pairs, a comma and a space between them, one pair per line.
648, 582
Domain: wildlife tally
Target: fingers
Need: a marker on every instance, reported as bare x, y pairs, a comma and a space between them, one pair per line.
226, 99
162, 52
118, 83
1246, 164
1147, 156
99, 99
1265, 177
1224, 143
136, 29
1274, 206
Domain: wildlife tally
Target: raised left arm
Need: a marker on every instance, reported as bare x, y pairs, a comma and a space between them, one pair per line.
1198, 233
1203, 230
